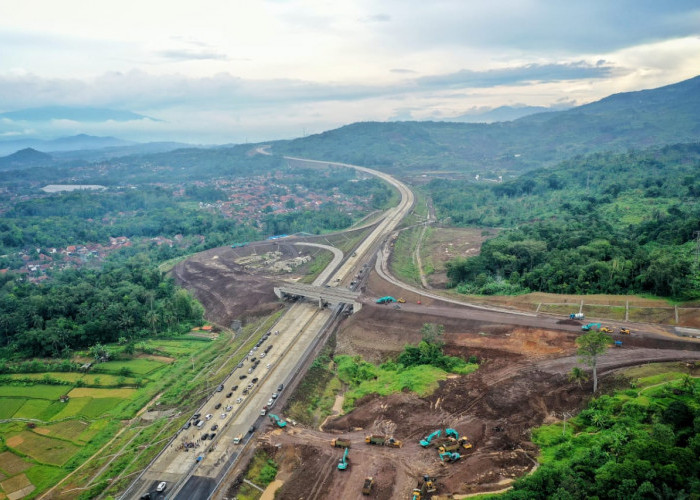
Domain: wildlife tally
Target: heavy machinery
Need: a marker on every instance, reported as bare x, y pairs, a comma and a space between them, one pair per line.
343, 463
386, 300
367, 487
455, 445
428, 485
450, 457
383, 441
591, 326
451, 432
576, 316
618, 343
625, 331
340, 443
416, 494
425, 442
606, 329
402, 300
277, 420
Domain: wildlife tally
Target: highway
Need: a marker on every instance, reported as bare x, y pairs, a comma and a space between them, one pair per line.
200, 471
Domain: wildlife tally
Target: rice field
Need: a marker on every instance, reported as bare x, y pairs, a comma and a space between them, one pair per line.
99, 379
43, 449
37, 391
138, 366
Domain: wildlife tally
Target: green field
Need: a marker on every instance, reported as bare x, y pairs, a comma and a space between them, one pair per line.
99, 379
32, 408
37, 391
8, 406
137, 366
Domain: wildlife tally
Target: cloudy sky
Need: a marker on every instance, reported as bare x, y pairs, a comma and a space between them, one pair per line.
219, 71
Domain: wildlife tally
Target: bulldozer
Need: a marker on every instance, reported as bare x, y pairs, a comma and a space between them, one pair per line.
340, 443
625, 331
606, 329
367, 487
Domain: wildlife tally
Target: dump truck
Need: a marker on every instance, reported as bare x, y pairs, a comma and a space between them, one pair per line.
343, 463
386, 300
367, 487
450, 457
425, 442
576, 316
462, 442
340, 443
591, 326
383, 441
277, 420
606, 329
625, 331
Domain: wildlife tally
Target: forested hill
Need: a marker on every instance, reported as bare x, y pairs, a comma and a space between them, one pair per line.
604, 223
636, 120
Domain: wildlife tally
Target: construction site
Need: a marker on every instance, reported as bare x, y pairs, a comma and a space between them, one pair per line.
470, 435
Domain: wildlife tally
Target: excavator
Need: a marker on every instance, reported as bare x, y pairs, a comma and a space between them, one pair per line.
450, 457
451, 433
425, 442
343, 463
277, 420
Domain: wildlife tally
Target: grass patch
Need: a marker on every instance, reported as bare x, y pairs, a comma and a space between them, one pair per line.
261, 472
43, 476
138, 366
32, 408
72, 408
8, 406
68, 430
43, 449
317, 265
37, 391
402, 264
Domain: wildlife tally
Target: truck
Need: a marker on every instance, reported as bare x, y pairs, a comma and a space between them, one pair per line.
386, 300
425, 442
576, 316
383, 441
238, 439
462, 442
591, 326
340, 443
367, 487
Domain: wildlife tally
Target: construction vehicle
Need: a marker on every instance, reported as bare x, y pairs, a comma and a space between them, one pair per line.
277, 420
451, 432
343, 463
450, 457
576, 316
606, 329
591, 326
462, 442
238, 439
416, 494
618, 343
386, 300
428, 485
340, 443
383, 441
367, 487
625, 331
402, 300
425, 442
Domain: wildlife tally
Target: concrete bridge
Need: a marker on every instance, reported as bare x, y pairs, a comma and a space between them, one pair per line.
324, 295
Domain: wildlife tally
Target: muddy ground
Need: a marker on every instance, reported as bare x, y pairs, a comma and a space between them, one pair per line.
521, 384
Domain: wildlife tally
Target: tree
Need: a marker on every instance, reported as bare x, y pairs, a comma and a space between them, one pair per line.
590, 346
578, 375
432, 333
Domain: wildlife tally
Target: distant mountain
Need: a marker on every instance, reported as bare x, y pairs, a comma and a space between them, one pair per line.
25, 158
667, 115
74, 113
500, 114
72, 143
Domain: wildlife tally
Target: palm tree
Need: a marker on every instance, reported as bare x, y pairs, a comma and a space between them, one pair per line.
578, 375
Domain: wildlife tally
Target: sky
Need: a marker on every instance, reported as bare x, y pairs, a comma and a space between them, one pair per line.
233, 71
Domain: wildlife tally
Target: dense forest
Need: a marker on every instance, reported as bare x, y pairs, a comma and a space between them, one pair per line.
128, 298
606, 223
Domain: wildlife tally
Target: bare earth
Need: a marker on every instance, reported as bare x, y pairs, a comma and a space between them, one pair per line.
521, 384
